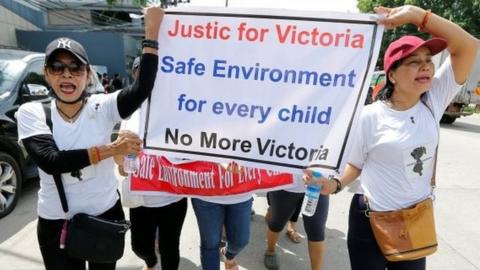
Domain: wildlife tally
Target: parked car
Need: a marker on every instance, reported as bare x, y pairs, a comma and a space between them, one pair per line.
21, 80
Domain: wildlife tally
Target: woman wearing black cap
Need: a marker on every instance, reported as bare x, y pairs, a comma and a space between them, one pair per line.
396, 141
79, 148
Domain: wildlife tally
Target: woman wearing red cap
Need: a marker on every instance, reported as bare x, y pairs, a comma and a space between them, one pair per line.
78, 146
396, 141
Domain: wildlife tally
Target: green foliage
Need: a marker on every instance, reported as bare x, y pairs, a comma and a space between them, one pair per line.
465, 13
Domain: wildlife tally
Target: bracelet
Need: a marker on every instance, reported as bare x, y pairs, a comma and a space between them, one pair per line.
339, 185
97, 151
92, 156
426, 16
150, 43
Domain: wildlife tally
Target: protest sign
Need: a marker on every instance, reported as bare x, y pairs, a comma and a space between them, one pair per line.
270, 89
157, 174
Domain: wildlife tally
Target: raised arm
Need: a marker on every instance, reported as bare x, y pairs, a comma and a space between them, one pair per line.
461, 45
129, 99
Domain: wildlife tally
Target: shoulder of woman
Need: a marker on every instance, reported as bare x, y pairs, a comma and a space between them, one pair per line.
371, 110
97, 100
31, 108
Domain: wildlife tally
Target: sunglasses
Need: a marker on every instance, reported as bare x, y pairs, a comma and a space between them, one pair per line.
57, 68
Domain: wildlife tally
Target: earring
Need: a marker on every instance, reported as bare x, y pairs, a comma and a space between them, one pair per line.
393, 81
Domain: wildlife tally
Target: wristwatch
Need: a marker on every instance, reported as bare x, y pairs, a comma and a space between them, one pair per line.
339, 185
150, 43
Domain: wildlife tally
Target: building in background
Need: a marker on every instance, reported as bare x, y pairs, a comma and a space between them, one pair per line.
108, 32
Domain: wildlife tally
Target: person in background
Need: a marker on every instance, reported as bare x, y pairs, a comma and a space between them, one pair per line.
135, 67
400, 130
292, 232
229, 211
156, 223
284, 204
79, 148
117, 83
159, 220
105, 79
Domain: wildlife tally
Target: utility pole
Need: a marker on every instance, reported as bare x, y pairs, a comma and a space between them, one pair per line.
226, 3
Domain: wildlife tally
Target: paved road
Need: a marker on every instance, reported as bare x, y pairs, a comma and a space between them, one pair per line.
457, 215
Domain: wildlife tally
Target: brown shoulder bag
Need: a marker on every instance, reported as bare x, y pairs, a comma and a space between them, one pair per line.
409, 233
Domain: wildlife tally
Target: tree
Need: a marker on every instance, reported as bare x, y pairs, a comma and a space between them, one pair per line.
465, 13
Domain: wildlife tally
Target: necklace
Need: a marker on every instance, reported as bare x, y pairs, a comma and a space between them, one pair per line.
70, 119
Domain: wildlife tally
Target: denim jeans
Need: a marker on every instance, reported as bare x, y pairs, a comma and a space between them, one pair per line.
210, 218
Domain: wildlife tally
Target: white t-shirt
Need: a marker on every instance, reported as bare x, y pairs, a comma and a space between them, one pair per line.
298, 185
97, 192
162, 200
228, 199
395, 149
133, 124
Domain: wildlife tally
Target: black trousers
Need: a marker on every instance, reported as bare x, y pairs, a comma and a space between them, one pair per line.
362, 246
168, 220
284, 204
54, 258
296, 214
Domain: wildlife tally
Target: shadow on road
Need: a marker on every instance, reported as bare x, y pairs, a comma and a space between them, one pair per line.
291, 255
24, 213
461, 126
185, 264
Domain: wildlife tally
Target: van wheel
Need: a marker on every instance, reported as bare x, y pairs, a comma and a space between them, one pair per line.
10, 183
447, 119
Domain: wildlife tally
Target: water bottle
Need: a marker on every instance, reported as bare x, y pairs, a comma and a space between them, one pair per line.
130, 163
311, 196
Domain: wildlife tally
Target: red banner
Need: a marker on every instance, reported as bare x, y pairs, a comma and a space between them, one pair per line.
157, 173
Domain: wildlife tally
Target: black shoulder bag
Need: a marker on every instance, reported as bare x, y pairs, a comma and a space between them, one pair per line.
88, 237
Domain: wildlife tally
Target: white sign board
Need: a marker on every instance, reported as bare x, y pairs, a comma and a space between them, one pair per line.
269, 88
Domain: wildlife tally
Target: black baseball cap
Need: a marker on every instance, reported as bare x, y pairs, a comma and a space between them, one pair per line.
68, 45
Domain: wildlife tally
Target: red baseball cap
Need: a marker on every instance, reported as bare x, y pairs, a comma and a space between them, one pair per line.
406, 45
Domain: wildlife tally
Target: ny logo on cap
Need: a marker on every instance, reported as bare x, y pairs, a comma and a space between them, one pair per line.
64, 43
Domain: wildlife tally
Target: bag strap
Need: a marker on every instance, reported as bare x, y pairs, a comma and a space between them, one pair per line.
56, 177
434, 174
433, 180
61, 192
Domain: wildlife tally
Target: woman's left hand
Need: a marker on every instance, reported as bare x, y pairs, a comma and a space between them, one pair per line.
152, 20
309, 179
126, 143
328, 187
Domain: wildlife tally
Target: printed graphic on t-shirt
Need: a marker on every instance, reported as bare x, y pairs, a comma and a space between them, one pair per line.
85, 174
417, 154
418, 160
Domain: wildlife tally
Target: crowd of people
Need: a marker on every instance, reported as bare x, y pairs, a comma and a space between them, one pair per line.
111, 84
386, 133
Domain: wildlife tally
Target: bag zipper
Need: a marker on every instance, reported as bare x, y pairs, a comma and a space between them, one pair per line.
125, 226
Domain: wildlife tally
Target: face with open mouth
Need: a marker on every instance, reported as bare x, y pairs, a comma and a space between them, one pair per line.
67, 76
415, 73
